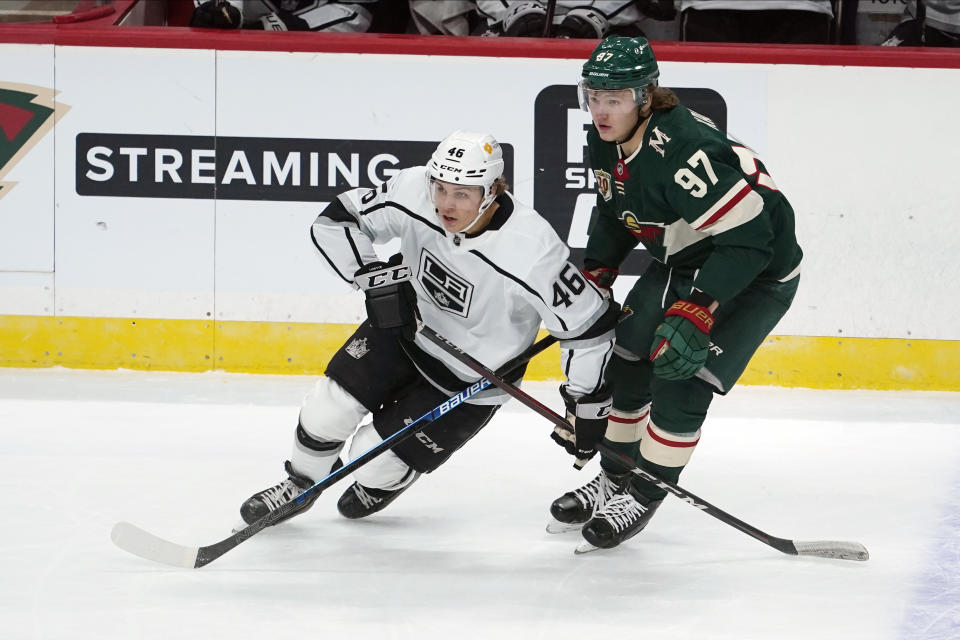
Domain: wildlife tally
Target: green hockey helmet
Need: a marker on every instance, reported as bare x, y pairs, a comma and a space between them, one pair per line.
619, 63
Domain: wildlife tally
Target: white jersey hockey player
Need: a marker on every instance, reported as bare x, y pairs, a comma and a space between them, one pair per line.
484, 271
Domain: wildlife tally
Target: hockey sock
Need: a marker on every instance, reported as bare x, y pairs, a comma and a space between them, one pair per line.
624, 431
648, 489
664, 453
615, 467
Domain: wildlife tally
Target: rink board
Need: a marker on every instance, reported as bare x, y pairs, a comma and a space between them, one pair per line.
305, 348
183, 201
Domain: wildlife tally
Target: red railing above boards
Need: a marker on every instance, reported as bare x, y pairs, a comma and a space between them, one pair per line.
86, 15
84, 34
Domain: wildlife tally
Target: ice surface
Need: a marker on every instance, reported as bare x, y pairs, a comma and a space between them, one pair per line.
463, 554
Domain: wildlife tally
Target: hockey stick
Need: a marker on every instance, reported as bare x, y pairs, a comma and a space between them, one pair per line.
139, 542
548, 18
838, 550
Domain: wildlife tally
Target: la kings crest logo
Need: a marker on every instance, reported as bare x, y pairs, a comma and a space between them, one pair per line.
357, 348
449, 291
27, 113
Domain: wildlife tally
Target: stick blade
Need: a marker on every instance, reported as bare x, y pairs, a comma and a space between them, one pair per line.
834, 549
135, 540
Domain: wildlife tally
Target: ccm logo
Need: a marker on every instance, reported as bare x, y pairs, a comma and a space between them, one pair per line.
391, 275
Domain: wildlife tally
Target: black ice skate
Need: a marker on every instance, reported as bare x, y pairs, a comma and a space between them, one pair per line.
359, 501
620, 518
571, 510
263, 502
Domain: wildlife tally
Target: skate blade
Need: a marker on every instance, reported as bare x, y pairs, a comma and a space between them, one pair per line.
555, 526
585, 547
240, 526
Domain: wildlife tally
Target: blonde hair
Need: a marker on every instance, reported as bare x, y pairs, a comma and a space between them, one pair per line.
500, 185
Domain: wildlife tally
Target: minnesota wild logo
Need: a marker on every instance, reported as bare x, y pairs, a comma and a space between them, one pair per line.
647, 232
27, 113
630, 220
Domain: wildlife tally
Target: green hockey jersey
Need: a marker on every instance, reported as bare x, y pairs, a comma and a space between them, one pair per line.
696, 199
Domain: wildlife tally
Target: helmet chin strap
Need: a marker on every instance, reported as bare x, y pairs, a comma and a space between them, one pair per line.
470, 226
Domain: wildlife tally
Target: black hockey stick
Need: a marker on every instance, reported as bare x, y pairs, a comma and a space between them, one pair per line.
823, 549
139, 542
550, 10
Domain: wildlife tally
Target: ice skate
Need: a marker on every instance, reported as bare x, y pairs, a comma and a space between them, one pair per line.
572, 510
619, 519
271, 499
359, 501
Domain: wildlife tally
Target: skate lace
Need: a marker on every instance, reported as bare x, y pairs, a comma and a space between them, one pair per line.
367, 499
278, 495
596, 492
621, 511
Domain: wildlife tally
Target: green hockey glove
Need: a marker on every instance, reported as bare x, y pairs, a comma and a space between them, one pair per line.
680, 342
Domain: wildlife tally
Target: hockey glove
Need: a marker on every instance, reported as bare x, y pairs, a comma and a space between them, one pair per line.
216, 14
602, 277
583, 22
391, 300
524, 19
680, 342
588, 417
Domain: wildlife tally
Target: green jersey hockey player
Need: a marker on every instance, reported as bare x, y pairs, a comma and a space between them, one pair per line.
725, 269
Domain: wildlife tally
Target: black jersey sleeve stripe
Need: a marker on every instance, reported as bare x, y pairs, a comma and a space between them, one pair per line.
603, 367
353, 246
337, 212
325, 25
523, 284
400, 207
604, 324
327, 258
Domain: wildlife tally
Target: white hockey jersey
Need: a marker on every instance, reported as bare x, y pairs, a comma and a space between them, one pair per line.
489, 293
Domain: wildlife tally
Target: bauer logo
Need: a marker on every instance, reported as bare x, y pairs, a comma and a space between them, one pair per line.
227, 168
26, 115
564, 189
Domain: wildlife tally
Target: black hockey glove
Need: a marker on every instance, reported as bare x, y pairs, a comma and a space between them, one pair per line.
391, 300
583, 22
216, 14
663, 10
588, 416
524, 19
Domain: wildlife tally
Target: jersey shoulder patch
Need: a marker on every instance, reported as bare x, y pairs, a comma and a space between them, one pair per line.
603, 184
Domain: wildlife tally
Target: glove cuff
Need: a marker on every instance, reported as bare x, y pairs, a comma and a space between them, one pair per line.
382, 274
592, 406
699, 316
